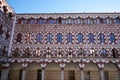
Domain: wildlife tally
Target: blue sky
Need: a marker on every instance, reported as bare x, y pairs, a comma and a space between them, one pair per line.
64, 6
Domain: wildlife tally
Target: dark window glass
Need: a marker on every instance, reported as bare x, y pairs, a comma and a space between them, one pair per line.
91, 38
39, 37
112, 38
59, 37
49, 37
101, 38
115, 53
20, 74
39, 74
69, 37
80, 37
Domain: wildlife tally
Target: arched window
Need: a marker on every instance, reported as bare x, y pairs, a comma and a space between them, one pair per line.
51, 21
101, 38
41, 21
117, 20
69, 37
112, 38
24, 21
79, 20
80, 37
101, 20
103, 51
115, 53
19, 37
32, 21
39, 37
49, 37
91, 38
59, 37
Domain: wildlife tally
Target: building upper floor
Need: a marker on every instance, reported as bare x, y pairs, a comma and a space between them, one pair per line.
69, 18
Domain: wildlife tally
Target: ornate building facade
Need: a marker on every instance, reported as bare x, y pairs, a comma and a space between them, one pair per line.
60, 46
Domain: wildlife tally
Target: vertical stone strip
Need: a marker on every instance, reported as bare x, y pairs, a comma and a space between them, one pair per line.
82, 65
24, 65
62, 65
101, 71
11, 37
43, 65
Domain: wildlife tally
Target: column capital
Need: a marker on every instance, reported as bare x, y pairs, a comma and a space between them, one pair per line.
81, 65
100, 66
43, 65
118, 65
62, 65
24, 64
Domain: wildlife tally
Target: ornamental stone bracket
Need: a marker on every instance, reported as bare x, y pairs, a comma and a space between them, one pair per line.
100, 63
81, 62
43, 65
24, 62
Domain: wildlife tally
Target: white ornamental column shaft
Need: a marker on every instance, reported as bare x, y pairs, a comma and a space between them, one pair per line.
82, 65
23, 74
43, 65
101, 71
24, 65
62, 73
43, 73
62, 65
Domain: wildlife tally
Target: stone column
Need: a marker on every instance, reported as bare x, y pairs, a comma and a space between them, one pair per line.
101, 71
62, 73
43, 65
24, 73
82, 65
5, 71
24, 65
82, 74
43, 74
62, 65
